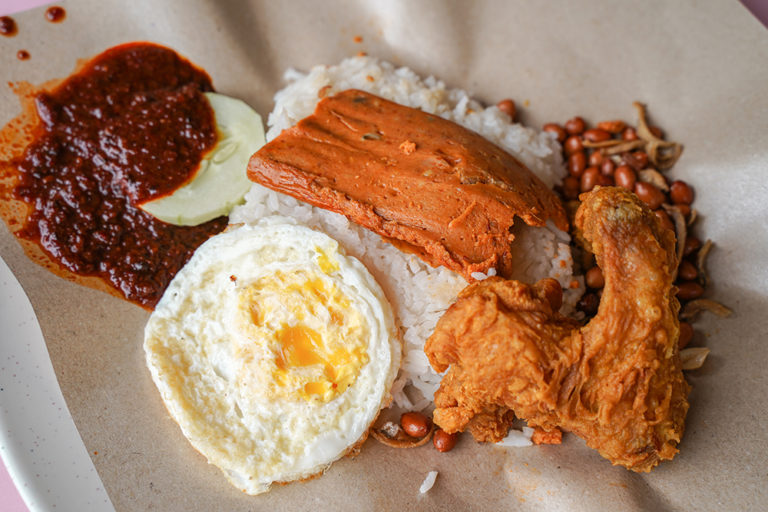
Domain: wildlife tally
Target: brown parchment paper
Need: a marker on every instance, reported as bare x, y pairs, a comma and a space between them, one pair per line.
701, 66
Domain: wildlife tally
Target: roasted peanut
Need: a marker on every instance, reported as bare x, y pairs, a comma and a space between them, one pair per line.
649, 194
686, 334
596, 135
629, 133
577, 162
589, 179
680, 192
637, 160
614, 127
684, 209
571, 187
689, 290
594, 278
443, 441
573, 145
607, 167
575, 126
588, 303
508, 107
558, 130
625, 177
687, 271
604, 181
692, 244
415, 424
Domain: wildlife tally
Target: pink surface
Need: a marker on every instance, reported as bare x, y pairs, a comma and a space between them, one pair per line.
10, 500
12, 6
759, 8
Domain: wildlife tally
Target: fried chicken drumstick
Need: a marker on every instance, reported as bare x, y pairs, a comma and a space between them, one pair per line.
616, 382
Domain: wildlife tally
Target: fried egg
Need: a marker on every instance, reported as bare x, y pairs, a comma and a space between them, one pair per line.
273, 351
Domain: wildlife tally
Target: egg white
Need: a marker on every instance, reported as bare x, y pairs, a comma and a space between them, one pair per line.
214, 376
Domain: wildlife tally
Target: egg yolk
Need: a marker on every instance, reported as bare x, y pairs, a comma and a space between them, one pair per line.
326, 261
317, 338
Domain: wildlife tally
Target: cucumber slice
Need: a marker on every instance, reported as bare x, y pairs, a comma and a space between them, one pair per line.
220, 182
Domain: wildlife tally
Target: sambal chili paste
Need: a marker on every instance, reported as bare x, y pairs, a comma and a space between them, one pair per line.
131, 125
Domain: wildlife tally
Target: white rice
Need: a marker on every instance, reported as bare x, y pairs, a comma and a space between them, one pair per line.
428, 482
419, 293
517, 438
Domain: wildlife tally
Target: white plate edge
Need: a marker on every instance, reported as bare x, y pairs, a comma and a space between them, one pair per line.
39, 443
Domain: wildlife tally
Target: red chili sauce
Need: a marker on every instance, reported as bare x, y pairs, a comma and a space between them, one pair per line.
55, 14
22, 55
132, 125
7, 26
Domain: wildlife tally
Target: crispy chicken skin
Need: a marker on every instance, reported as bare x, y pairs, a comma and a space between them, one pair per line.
427, 185
617, 382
